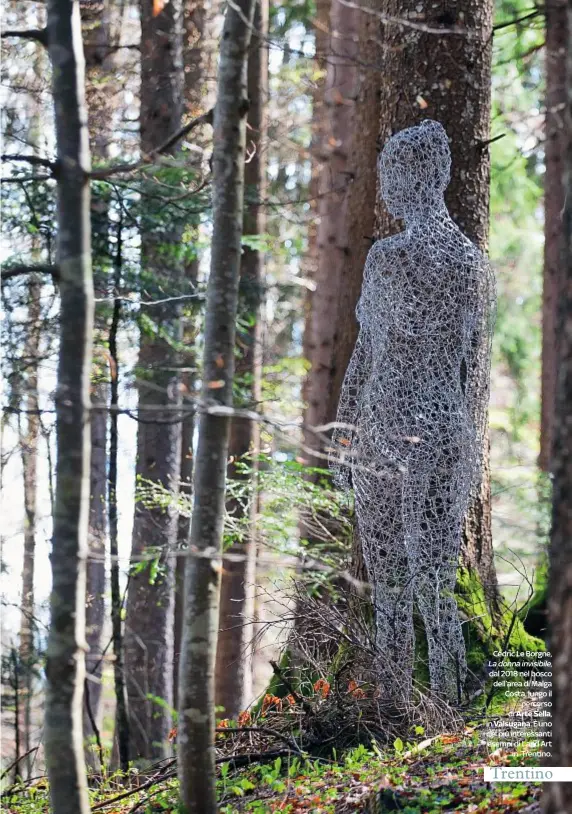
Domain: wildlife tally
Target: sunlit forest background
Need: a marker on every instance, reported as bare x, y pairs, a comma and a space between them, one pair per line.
152, 239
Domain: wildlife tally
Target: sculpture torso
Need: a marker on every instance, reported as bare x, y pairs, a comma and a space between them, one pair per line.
419, 305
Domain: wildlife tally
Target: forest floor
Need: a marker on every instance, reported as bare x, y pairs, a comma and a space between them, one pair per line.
443, 773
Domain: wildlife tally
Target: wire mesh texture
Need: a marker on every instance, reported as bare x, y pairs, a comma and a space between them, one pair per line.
413, 410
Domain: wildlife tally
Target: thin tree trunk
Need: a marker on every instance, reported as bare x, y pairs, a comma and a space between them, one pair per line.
321, 24
29, 441
119, 681
335, 179
65, 663
558, 796
554, 157
149, 648
196, 56
196, 755
99, 73
233, 671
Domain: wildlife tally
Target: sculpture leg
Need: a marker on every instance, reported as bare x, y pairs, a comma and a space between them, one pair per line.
378, 510
433, 509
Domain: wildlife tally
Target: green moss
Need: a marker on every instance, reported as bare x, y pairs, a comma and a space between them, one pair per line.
533, 614
483, 633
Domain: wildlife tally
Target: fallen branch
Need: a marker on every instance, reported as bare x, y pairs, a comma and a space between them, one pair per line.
264, 730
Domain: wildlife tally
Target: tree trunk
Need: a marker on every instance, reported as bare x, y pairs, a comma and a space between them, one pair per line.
554, 157
196, 756
233, 671
321, 24
558, 796
65, 664
360, 215
196, 54
447, 77
29, 441
336, 175
149, 621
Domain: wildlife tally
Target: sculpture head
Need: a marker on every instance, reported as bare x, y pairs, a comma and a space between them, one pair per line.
415, 168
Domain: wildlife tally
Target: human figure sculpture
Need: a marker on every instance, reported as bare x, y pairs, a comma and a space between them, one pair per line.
413, 411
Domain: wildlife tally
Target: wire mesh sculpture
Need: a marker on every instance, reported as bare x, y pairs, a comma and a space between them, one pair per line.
413, 412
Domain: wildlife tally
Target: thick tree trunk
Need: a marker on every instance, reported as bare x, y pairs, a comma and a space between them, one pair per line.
554, 157
447, 77
233, 671
65, 666
196, 756
558, 796
150, 607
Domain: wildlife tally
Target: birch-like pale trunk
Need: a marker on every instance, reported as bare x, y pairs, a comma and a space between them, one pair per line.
233, 670
196, 752
29, 442
65, 658
100, 67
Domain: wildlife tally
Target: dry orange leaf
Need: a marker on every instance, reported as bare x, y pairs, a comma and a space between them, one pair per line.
216, 385
323, 687
158, 6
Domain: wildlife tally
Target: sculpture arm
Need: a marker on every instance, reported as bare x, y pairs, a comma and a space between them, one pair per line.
357, 374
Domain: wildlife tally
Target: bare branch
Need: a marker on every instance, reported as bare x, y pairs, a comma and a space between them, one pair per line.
31, 268
38, 34
106, 172
34, 160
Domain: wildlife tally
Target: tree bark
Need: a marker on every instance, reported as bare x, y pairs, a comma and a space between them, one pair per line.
196, 755
554, 158
447, 77
65, 663
336, 175
29, 440
558, 796
149, 651
197, 57
100, 66
233, 671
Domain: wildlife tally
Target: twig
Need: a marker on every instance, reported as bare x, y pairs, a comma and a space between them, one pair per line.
297, 697
38, 34
93, 724
30, 268
34, 160
105, 172
264, 730
163, 775
14, 763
